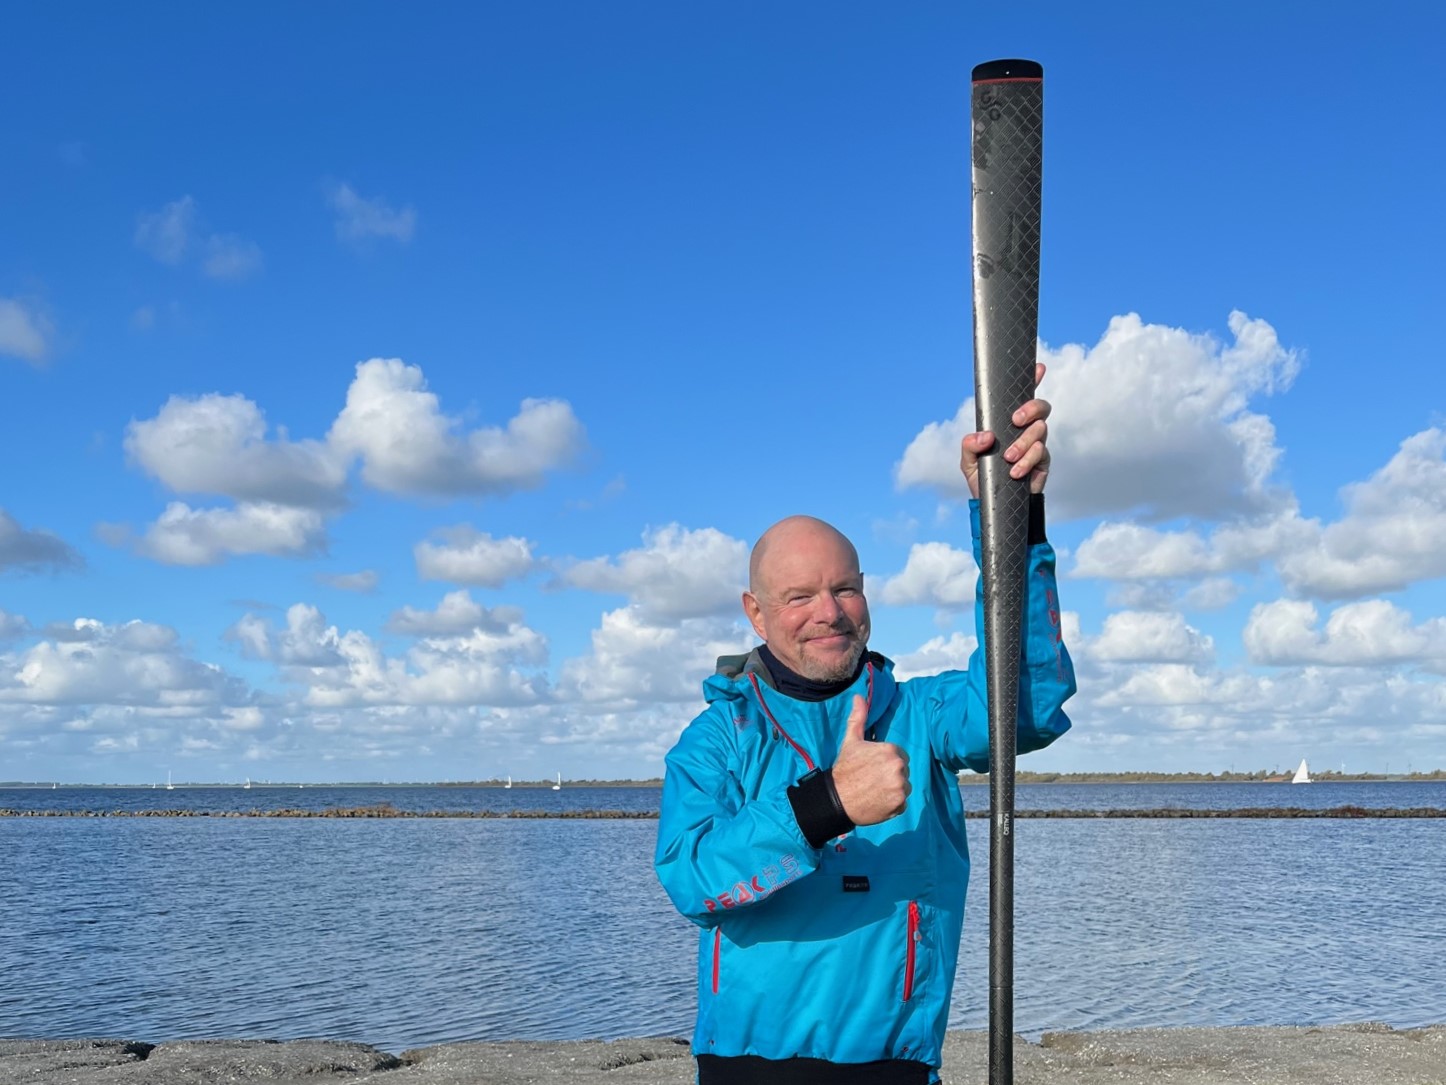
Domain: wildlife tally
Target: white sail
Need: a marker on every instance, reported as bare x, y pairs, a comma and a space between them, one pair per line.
558, 786
1302, 774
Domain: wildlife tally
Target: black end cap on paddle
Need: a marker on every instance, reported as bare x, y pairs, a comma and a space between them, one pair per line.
992, 70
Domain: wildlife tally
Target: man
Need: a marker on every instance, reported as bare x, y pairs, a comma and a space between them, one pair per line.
811, 821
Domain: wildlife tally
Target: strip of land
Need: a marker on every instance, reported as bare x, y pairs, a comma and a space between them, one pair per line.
1368, 1054
646, 815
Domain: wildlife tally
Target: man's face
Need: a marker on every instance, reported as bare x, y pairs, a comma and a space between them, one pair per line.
808, 603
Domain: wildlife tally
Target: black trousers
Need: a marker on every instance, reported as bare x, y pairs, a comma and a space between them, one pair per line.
754, 1070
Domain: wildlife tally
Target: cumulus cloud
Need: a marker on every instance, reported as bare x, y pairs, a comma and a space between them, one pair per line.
32, 549
637, 661
935, 574
215, 444
456, 615
1149, 637
1391, 533
1387, 539
677, 573
335, 670
359, 218
219, 444
136, 664
407, 445
176, 232
1286, 632
187, 536
1129, 551
942, 653
1147, 407
25, 331
463, 555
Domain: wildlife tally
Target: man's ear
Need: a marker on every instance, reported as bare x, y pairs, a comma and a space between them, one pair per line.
753, 611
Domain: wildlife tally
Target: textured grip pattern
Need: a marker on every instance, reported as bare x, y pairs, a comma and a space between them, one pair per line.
1007, 143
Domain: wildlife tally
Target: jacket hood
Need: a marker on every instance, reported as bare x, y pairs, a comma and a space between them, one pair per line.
731, 681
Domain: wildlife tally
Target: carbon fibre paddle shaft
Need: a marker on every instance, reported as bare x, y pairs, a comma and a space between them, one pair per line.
1007, 113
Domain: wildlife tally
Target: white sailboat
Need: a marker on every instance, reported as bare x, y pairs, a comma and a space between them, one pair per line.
508, 784
247, 785
169, 786
1302, 774
558, 786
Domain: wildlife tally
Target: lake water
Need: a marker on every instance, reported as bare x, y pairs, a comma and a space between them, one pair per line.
402, 933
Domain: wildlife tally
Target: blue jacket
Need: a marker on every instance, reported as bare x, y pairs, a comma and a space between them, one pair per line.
845, 952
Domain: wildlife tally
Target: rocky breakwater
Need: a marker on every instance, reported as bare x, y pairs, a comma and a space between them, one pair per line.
1369, 1054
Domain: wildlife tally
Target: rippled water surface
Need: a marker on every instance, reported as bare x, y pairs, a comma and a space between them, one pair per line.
401, 933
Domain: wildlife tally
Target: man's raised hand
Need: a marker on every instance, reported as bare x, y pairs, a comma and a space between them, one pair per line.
871, 778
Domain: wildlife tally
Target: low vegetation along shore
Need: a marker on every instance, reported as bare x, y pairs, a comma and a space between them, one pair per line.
1258, 776
386, 811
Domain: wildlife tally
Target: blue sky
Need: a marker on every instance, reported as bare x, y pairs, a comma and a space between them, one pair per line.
394, 393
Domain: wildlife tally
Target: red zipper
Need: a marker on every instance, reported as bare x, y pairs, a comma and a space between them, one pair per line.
908, 951
761, 704
808, 761
717, 954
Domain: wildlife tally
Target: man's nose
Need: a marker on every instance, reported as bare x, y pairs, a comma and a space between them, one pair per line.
827, 609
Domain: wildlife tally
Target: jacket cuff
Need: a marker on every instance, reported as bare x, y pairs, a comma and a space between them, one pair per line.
1036, 519
817, 807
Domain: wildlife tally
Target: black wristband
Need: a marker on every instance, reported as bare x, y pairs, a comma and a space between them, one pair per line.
817, 807
1036, 519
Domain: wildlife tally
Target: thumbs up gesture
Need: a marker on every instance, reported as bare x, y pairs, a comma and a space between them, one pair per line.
871, 778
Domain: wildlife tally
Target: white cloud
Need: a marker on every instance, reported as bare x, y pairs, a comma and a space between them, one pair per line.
217, 444
172, 234
168, 234
346, 670
358, 218
136, 664
677, 573
33, 550
1387, 540
12, 626
636, 661
186, 536
1143, 409
231, 257
408, 446
466, 556
363, 582
25, 331
1364, 634
1391, 534
936, 574
949, 653
1148, 637
456, 615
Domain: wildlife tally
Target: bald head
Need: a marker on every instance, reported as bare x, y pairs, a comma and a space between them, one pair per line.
805, 598
789, 537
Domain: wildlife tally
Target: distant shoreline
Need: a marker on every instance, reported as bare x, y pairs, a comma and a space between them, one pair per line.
967, 780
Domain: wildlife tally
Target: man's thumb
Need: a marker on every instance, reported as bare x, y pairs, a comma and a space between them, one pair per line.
858, 716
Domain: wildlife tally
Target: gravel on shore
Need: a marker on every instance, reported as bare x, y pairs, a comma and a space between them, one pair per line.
1366, 1054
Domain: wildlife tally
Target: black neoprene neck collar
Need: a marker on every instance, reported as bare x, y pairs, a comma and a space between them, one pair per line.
792, 684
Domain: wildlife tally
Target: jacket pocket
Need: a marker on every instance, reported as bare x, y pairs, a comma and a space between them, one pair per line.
717, 955
910, 951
